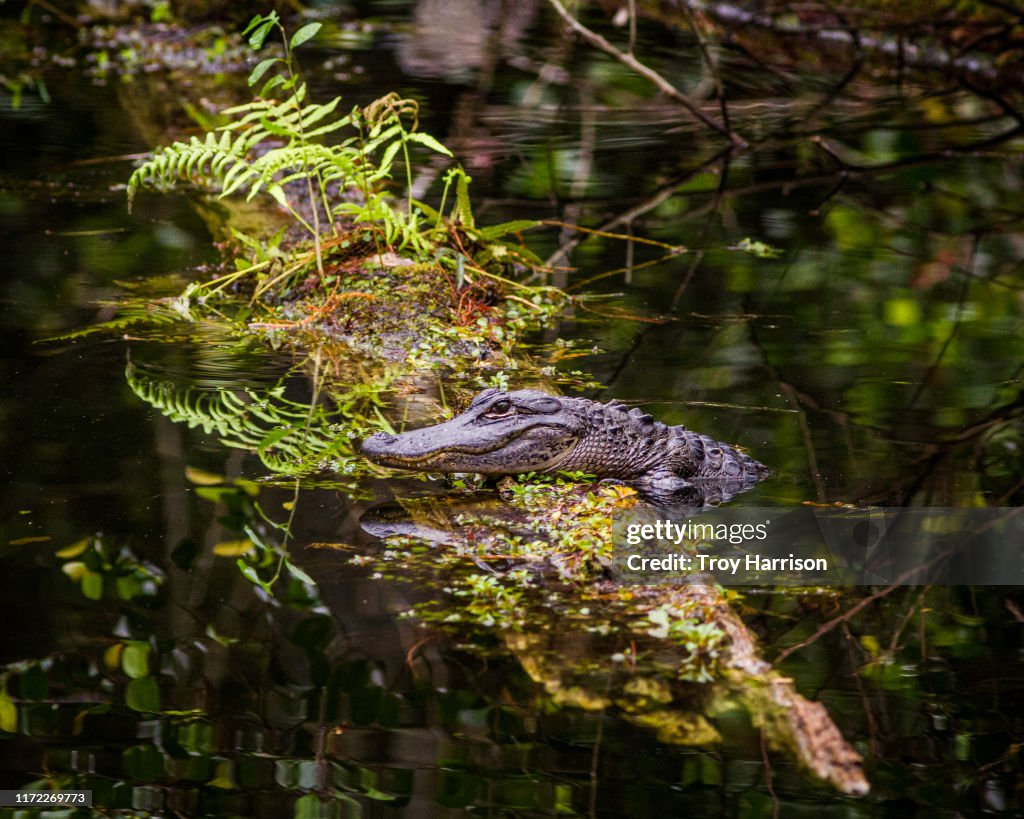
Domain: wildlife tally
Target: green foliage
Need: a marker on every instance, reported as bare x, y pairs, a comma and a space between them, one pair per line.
266, 147
759, 249
100, 571
271, 144
276, 145
131, 314
290, 438
17, 85
261, 548
702, 641
143, 694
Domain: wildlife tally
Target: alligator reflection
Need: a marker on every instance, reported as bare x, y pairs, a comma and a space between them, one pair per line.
529, 569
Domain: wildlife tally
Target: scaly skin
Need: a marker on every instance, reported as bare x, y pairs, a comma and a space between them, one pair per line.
508, 433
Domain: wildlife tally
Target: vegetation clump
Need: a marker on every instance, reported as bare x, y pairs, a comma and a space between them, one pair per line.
394, 277
538, 559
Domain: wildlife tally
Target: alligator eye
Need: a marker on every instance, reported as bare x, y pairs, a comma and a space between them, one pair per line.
500, 409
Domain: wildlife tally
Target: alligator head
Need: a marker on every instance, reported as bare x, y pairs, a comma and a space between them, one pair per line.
508, 433
501, 433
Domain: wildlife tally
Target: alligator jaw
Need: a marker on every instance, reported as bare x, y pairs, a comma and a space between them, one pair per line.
379, 448
535, 449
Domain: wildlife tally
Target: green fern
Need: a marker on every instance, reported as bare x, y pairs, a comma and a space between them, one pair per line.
274, 147
144, 316
288, 437
247, 156
206, 160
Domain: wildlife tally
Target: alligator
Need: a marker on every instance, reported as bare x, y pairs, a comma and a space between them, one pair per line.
509, 433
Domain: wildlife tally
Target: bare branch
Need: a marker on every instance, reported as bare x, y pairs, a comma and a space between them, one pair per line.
647, 73
903, 578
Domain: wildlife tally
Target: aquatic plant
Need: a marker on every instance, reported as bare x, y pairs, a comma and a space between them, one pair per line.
290, 438
275, 146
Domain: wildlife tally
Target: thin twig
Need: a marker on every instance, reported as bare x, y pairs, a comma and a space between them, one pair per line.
894, 643
852, 643
677, 249
56, 12
632, 26
850, 613
705, 54
647, 73
723, 182
645, 206
933, 368
769, 773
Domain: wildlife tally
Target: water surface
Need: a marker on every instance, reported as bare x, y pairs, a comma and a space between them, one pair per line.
876, 359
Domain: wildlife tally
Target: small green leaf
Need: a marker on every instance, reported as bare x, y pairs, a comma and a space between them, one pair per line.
389, 155
128, 587
299, 574
278, 193
135, 659
463, 212
497, 231
261, 69
273, 437
143, 694
249, 573
223, 639
233, 548
259, 36
215, 494
428, 211
251, 488
8, 711
255, 21
201, 477
759, 249
223, 777
271, 84
92, 585
429, 142
75, 549
902, 312
305, 33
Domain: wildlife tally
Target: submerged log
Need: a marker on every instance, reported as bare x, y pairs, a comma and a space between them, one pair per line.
576, 666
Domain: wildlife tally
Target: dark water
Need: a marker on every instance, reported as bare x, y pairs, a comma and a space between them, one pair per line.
878, 359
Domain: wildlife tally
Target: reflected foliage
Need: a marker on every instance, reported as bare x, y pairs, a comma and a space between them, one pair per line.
290, 437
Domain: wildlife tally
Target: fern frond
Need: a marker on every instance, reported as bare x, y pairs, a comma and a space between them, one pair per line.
463, 209
145, 315
205, 160
284, 434
386, 136
312, 114
267, 105
292, 160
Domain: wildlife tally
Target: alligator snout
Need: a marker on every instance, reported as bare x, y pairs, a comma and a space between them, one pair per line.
377, 443
412, 450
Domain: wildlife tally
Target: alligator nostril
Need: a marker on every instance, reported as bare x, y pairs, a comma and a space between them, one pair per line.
376, 441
